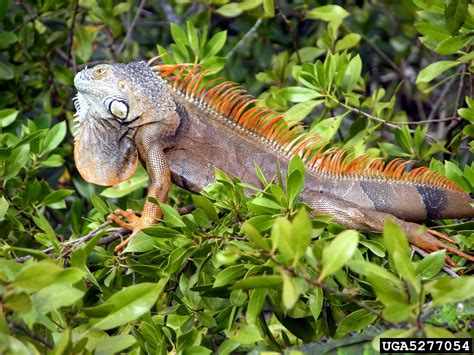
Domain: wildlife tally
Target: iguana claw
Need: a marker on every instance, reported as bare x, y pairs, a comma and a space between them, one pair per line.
133, 221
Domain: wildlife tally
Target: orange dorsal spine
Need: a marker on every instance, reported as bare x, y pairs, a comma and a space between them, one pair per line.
230, 101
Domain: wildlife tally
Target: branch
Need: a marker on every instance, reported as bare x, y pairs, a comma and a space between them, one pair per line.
170, 13
71, 36
378, 119
29, 333
73, 242
130, 29
447, 119
244, 38
444, 93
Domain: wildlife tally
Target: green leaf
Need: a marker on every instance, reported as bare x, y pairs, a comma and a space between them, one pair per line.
452, 44
126, 187
215, 44
281, 237
355, 321
255, 236
255, 305
352, 75
299, 94
435, 69
398, 249
295, 180
122, 7
328, 13
431, 264
437, 332
7, 117
245, 334
34, 276
207, 206
338, 252
260, 281
171, 216
301, 232
55, 197
7, 38
455, 13
29, 138
54, 137
84, 41
6, 71
449, 290
316, 302
433, 31
348, 41
290, 293
54, 297
179, 37
17, 301
53, 161
114, 344
141, 243
99, 204
269, 8
3, 207
129, 304
263, 205
301, 110
230, 10
193, 38
159, 231
229, 274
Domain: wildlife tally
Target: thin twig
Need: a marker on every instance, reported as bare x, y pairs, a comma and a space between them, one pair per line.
71, 35
442, 96
130, 29
382, 55
244, 38
170, 13
446, 268
377, 119
73, 242
29, 333
447, 119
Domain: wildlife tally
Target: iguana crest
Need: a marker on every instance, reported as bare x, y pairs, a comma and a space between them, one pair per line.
228, 101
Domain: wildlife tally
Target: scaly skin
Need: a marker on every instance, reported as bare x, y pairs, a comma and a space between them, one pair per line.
127, 112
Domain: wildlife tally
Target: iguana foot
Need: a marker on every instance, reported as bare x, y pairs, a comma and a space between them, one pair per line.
427, 241
132, 221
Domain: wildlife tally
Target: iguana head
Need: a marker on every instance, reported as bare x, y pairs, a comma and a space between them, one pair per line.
111, 101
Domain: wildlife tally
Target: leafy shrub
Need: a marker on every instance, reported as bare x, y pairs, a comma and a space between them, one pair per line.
238, 272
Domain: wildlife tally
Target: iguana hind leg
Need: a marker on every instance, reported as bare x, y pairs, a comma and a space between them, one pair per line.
355, 217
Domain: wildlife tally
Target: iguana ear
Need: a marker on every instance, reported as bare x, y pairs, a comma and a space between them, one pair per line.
102, 156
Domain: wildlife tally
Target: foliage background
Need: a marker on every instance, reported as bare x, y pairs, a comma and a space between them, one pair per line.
392, 79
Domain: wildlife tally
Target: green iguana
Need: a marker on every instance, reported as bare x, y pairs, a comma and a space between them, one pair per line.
181, 128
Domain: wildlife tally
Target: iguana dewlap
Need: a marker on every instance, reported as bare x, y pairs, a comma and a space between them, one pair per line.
181, 129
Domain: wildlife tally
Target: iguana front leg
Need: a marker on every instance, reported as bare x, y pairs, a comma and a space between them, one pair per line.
152, 156
355, 217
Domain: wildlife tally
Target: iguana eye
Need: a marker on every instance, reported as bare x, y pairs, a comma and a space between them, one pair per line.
99, 72
119, 109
